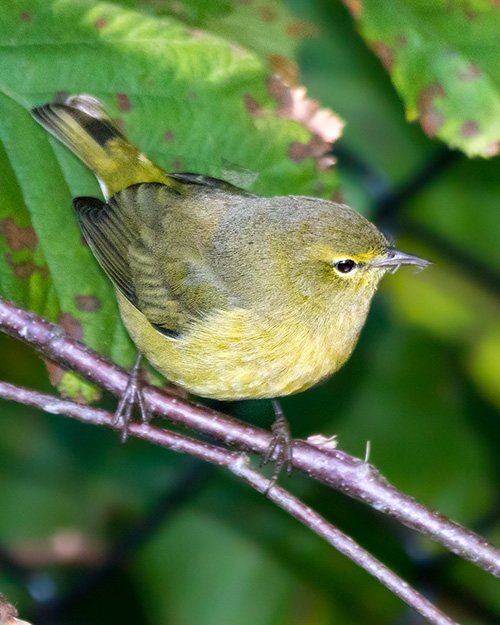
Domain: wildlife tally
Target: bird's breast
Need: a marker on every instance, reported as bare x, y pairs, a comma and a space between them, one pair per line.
237, 354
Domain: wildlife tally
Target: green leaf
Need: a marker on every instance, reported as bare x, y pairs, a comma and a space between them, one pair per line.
443, 59
265, 27
232, 577
191, 101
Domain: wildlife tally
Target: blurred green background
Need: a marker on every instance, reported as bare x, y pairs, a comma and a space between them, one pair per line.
95, 531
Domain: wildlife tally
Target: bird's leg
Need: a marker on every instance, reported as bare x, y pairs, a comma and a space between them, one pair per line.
131, 396
280, 448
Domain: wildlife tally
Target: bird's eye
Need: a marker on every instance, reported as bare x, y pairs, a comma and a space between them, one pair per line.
345, 266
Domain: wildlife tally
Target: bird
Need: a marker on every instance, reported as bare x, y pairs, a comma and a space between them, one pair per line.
228, 294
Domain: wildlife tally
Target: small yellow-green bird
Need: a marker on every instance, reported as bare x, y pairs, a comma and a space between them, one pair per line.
229, 295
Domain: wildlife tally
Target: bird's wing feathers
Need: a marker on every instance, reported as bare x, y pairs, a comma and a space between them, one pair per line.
148, 261
189, 178
109, 238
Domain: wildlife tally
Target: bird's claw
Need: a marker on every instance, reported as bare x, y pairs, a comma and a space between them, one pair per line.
132, 396
280, 447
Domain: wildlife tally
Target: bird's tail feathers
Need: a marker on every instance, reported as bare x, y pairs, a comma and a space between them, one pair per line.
84, 126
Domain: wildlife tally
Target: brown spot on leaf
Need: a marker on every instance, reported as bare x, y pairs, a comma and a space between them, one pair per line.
88, 303
55, 372
338, 196
469, 129
177, 165
301, 29
8, 613
401, 41
431, 117
281, 94
324, 125
101, 23
471, 72
315, 148
268, 14
71, 325
385, 54
293, 103
464, 6
26, 16
355, 7
469, 12
297, 152
56, 377
252, 106
23, 269
192, 94
169, 136
287, 70
123, 102
18, 237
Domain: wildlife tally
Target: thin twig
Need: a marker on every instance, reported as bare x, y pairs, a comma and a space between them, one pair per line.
238, 464
335, 468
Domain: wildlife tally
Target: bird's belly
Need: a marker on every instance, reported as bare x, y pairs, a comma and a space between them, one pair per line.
237, 356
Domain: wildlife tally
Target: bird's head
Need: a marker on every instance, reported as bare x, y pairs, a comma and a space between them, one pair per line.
337, 252
287, 251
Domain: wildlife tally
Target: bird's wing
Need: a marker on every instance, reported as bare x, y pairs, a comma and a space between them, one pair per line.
153, 252
188, 178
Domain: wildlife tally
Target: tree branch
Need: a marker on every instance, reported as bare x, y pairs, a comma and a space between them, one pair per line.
238, 464
335, 468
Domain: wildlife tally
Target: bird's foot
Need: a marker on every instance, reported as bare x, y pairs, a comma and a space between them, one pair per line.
131, 397
280, 448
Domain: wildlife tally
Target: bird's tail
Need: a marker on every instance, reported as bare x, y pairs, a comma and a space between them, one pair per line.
83, 125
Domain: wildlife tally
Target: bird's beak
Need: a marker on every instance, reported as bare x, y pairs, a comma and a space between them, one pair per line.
393, 259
